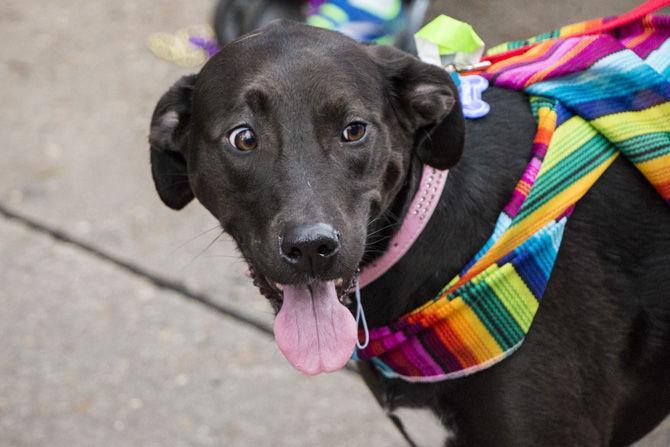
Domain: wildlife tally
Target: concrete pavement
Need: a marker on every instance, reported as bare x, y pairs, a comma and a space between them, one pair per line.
92, 354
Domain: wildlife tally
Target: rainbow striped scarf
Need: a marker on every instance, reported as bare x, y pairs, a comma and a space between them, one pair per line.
594, 97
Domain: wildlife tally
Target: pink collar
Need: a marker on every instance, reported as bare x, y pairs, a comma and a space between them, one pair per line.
418, 214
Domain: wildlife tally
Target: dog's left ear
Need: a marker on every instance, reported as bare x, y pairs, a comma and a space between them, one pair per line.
169, 131
429, 100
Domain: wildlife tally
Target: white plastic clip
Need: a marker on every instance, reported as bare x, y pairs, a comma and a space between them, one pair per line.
360, 317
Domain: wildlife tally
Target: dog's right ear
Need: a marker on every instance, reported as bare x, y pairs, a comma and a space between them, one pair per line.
168, 137
428, 98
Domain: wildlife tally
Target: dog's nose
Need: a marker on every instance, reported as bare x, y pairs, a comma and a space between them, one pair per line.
310, 248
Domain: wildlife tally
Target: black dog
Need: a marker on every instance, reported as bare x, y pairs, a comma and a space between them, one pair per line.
305, 145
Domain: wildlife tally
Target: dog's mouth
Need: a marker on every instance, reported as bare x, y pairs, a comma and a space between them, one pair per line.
274, 291
314, 329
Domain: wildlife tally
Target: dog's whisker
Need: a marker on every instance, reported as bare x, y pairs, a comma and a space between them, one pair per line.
381, 229
376, 243
370, 241
387, 213
182, 245
206, 248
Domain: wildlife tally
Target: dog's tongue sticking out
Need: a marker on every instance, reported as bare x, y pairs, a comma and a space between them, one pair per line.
313, 329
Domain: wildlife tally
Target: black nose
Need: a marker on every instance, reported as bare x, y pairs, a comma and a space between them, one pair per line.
310, 248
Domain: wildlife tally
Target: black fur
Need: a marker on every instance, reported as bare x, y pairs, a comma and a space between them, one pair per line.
593, 369
168, 133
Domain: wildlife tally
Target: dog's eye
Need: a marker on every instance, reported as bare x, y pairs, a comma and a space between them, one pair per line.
243, 138
353, 132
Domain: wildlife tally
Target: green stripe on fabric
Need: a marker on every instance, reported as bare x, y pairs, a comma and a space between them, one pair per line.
650, 154
559, 184
543, 36
646, 147
596, 152
471, 295
506, 321
569, 137
538, 103
642, 143
515, 295
574, 162
565, 168
486, 305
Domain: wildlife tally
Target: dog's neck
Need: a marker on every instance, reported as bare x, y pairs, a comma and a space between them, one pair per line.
415, 218
382, 228
476, 190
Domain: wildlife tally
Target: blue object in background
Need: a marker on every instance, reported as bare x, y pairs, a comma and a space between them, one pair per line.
363, 20
470, 89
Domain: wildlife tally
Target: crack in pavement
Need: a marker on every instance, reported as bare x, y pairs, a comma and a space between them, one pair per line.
164, 283
157, 280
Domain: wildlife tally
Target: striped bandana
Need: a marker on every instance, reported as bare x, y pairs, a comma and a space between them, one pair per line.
594, 97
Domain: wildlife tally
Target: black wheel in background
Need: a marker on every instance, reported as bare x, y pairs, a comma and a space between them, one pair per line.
234, 18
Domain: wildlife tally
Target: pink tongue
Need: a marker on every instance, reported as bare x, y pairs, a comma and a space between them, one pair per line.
313, 329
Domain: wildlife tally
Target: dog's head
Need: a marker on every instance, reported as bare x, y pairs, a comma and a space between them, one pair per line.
296, 139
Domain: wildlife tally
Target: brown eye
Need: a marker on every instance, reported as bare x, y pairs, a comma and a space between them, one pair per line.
244, 139
353, 132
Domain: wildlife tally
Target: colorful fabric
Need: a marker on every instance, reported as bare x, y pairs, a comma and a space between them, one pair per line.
594, 97
566, 31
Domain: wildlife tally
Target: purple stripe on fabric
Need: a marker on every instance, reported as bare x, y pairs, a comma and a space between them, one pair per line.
403, 325
389, 337
382, 339
393, 340
650, 44
529, 176
531, 171
493, 76
539, 151
660, 22
630, 31
449, 362
415, 354
597, 49
516, 78
379, 332
514, 205
538, 58
410, 328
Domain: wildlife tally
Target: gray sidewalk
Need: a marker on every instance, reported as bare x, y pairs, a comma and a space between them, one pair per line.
93, 352
101, 358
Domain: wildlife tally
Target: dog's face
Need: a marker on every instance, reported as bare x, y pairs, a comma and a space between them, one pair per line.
297, 139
